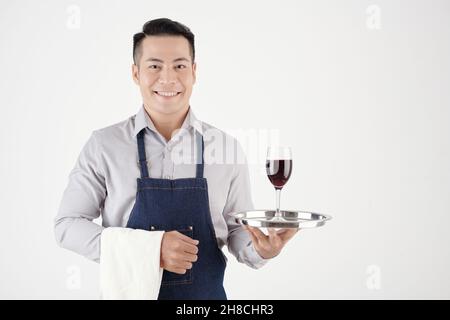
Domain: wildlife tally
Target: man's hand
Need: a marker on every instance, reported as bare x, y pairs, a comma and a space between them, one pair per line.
271, 245
178, 252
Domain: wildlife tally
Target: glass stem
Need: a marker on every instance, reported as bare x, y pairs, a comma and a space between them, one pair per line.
278, 212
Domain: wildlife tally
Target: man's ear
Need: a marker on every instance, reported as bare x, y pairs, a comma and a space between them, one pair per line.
135, 73
194, 71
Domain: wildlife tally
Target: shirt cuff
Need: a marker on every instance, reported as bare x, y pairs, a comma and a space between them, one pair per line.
253, 256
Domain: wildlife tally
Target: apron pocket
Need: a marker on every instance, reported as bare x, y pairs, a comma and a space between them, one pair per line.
171, 278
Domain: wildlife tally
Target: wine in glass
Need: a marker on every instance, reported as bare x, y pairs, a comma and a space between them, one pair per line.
278, 168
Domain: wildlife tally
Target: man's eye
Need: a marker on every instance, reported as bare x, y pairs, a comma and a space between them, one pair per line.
181, 66
153, 66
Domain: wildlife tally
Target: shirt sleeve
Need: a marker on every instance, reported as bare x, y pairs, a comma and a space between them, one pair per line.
81, 203
240, 199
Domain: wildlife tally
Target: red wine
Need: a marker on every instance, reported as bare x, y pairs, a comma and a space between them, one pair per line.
279, 172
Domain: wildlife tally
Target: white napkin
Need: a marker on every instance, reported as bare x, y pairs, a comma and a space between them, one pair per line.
130, 264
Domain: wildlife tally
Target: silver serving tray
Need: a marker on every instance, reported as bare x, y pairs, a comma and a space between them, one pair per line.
288, 219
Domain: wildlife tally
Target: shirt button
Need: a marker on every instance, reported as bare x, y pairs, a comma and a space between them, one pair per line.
168, 177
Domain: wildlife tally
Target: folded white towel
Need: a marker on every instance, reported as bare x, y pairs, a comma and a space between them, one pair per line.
130, 264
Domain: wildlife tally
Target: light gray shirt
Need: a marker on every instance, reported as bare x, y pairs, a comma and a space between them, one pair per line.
103, 182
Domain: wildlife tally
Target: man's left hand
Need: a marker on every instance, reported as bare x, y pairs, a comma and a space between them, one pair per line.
269, 246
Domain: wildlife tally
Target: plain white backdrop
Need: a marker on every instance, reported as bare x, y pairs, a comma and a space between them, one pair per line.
358, 89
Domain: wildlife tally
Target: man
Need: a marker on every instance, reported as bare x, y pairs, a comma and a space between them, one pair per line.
191, 201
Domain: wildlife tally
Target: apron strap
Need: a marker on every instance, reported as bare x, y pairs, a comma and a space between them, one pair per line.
200, 146
141, 151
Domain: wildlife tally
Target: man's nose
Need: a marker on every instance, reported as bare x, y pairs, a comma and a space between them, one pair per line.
167, 76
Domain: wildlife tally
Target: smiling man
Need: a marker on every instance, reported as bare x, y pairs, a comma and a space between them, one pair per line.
164, 69
190, 201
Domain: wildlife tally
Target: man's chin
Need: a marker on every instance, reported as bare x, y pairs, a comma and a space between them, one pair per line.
166, 109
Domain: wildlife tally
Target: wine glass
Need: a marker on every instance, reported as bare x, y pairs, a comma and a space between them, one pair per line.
278, 168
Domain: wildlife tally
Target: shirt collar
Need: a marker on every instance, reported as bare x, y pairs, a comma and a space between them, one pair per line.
143, 120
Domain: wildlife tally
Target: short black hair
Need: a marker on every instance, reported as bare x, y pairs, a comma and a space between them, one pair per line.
163, 27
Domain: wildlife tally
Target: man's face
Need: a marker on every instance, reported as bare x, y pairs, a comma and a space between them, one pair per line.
165, 73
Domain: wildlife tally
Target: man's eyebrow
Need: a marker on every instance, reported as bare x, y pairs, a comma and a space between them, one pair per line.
159, 60
182, 59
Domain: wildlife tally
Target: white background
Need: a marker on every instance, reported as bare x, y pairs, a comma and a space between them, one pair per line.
361, 93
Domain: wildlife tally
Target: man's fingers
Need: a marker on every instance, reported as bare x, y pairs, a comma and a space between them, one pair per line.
272, 233
189, 248
190, 257
186, 265
179, 270
283, 231
288, 234
258, 233
187, 239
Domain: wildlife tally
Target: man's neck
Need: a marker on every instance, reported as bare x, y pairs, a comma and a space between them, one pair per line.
166, 124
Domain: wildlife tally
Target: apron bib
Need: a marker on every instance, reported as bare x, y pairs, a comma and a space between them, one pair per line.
182, 205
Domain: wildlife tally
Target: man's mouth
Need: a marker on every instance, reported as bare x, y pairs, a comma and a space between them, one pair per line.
167, 94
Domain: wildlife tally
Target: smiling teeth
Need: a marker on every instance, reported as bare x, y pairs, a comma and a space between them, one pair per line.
167, 94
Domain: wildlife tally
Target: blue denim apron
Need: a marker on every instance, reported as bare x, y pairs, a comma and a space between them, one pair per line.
182, 205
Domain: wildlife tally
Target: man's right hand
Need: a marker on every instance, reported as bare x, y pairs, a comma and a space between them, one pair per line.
178, 252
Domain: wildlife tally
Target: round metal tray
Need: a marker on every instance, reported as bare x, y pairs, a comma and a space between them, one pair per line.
288, 219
